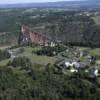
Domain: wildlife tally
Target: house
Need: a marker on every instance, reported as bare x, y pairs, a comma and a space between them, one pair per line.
72, 64
67, 50
53, 44
80, 53
73, 70
68, 63
50, 44
76, 64
90, 59
94, 72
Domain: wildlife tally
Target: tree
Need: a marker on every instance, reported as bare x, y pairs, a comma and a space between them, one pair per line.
22, 62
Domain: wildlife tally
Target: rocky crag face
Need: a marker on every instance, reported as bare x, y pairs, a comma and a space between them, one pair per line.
28, 36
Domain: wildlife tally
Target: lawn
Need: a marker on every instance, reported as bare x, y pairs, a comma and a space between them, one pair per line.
30, 49
95, 51
98, 62
67, 54
81, 48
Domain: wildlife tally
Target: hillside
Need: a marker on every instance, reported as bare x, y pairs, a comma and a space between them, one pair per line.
70, 27
81, 3
29, 76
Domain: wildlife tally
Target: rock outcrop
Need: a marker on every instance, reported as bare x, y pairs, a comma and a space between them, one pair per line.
28, 36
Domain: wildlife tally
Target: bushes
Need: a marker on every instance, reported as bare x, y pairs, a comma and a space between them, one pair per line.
4, 55
21, 50
12, 87
44, 85
50, 51
23, 62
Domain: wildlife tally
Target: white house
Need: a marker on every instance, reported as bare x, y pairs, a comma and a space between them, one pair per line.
76, 64
94, 72
53, 44
72, 64
73, 70
68, 64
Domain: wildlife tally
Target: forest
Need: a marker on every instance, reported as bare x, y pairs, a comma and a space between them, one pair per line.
30, 71
20, 80
70, 27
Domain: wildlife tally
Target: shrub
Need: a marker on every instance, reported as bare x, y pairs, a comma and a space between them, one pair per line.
23, 62
4, 55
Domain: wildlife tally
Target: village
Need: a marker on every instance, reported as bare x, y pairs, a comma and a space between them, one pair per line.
50, 50
65, 58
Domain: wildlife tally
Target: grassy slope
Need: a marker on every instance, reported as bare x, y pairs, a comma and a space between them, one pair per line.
95, 51
44, 60
97, 19
39, 59
4, 62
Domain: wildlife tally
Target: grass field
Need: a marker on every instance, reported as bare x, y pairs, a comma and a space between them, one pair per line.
4, 62
81, 48
95, 51
44, 60
38, 59
97, 19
